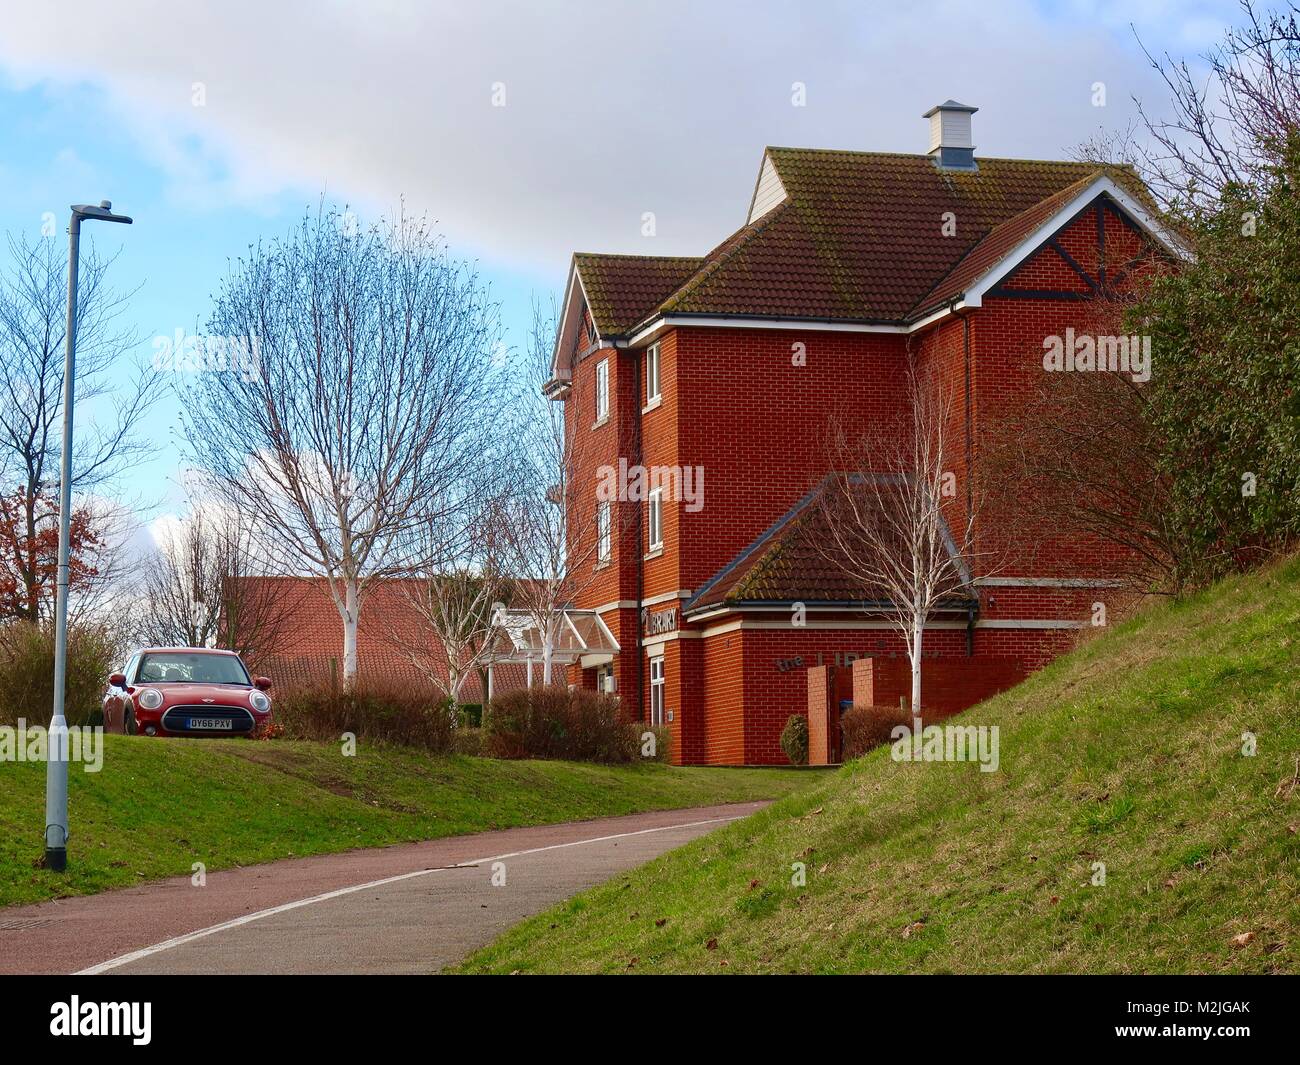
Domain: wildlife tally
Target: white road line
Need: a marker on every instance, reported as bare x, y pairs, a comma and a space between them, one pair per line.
248, 918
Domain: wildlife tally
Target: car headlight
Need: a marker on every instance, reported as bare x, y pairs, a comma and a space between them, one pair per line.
259, 701
148, 699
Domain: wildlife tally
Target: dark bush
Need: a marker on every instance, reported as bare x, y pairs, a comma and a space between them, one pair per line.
794, 739
554, 722
467, 741
413, 715
27, 672
867, 727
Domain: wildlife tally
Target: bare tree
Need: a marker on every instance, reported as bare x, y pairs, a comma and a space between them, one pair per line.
1045, 462
552, 529
454, 598
367, 402
1232, 124
207, 587
33, 316
886, 508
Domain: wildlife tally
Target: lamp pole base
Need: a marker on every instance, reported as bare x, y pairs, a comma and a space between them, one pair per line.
56, 858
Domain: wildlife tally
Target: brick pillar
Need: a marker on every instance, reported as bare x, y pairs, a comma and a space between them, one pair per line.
818, 702
864, 682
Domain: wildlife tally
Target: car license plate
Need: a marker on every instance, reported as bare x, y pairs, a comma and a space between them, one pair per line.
210, 723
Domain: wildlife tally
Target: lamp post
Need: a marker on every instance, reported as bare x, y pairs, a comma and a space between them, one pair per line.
56, 765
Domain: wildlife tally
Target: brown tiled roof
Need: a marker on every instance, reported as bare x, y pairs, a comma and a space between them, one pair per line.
299, 651
790, 563
622, 289
858, 238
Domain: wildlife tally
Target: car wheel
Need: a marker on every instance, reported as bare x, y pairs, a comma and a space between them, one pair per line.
128, 722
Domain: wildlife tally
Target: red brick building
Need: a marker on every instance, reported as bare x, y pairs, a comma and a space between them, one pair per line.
301, 644
723, 369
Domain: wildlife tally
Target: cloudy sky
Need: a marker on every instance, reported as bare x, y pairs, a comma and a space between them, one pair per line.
527, 130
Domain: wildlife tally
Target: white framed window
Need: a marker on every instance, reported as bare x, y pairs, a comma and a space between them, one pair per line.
656, 518
657, 690
652, 373
604, 532
602, 390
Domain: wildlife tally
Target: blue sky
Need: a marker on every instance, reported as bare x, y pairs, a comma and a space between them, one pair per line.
611, 109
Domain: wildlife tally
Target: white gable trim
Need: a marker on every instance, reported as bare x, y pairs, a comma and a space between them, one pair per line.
575, 298
974, 294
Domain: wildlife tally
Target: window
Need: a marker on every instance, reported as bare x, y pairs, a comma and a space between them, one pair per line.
656, 536
191, 667
604, 537
602, 390
652, 373
657, 690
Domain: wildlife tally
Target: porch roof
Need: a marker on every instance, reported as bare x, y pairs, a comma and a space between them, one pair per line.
581, 635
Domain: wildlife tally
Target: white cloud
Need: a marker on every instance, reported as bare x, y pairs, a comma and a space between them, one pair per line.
612, 108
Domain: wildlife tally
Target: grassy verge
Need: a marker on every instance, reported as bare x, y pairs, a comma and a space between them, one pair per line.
1127, 754
158, 806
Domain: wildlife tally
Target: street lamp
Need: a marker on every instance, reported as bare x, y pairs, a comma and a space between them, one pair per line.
56, 765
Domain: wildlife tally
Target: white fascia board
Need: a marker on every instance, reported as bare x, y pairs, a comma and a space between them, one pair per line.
561, 336
974, 295
724, 321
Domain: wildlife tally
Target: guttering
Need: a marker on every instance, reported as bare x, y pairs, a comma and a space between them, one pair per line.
749, 606
654, 326
642, 706
970, 428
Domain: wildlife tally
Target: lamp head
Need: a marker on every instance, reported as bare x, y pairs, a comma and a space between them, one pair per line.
102, 213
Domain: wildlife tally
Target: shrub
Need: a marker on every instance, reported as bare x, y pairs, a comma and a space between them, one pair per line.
413, 715
467, 741
868, 727
554, 722
794, 739
268, 730
471, 715
27, 672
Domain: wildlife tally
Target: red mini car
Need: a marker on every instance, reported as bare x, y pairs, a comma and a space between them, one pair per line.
185, 691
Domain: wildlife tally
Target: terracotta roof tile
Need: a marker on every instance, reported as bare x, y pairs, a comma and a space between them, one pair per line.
622, 289
859, 238
790, 563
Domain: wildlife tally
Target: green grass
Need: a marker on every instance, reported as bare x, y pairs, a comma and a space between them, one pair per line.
158, 806
1127, 752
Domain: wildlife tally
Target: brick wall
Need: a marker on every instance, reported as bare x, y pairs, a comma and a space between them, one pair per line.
948, 685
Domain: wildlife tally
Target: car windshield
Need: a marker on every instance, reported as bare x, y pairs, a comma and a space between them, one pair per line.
190, 668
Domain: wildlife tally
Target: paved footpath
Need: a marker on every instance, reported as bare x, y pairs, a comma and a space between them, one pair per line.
413, 908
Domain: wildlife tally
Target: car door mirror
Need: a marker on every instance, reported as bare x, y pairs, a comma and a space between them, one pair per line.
118, 680
262, 682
